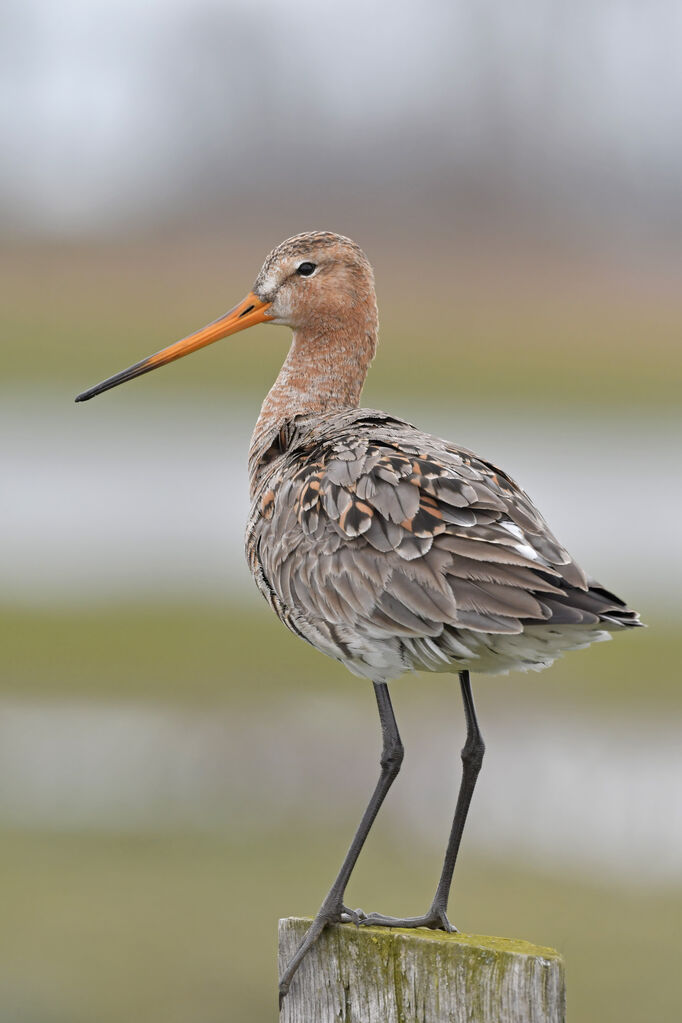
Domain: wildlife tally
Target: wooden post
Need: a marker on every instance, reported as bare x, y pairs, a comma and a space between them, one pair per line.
380, 975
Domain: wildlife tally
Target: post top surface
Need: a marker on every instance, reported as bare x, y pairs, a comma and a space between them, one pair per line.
484, 942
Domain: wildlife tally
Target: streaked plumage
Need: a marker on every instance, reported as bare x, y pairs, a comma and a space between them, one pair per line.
382, 546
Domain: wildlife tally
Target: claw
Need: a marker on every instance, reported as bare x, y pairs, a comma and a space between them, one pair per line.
442, 924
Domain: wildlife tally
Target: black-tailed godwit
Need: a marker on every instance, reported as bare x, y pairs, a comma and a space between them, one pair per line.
386, 548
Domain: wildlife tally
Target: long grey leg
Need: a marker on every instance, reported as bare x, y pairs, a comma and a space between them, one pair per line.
472, 758
332, 909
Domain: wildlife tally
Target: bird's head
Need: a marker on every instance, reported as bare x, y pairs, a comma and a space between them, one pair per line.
315, 278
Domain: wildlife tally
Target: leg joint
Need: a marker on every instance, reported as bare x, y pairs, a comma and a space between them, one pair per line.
473, 750
392, 755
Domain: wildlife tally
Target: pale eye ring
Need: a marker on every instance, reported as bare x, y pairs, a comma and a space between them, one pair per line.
306, 269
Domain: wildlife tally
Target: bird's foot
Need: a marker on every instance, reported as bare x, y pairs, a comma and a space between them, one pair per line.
352, 916
330, 913
436, 919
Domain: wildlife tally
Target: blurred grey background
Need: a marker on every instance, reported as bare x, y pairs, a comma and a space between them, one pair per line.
175, 769
117, 114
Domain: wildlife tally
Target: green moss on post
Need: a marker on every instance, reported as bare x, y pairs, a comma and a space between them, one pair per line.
381, 975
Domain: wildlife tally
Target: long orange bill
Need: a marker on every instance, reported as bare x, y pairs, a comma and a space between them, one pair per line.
248, 312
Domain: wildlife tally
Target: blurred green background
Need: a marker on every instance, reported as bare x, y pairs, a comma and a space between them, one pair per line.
177, 771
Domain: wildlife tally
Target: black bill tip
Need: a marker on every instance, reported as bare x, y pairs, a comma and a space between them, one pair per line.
119, 378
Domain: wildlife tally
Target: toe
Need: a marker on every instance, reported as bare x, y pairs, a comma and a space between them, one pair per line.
352, 916
437, 920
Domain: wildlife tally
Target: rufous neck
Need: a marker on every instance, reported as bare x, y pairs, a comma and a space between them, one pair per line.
324, 371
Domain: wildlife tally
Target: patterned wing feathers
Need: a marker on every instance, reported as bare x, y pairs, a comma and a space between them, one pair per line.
370, 531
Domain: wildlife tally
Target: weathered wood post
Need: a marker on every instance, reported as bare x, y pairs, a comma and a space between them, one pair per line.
377, 975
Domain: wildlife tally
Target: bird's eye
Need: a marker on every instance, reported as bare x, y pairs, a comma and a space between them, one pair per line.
306, 269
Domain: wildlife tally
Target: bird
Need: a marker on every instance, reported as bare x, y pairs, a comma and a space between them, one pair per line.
387, 548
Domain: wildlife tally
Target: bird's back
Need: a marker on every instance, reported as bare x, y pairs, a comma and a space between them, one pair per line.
391, 549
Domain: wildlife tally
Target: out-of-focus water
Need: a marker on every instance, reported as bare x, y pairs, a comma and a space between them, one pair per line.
597, 796
121, 499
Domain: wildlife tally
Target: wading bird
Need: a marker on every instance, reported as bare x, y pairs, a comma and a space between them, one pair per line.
386, 548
